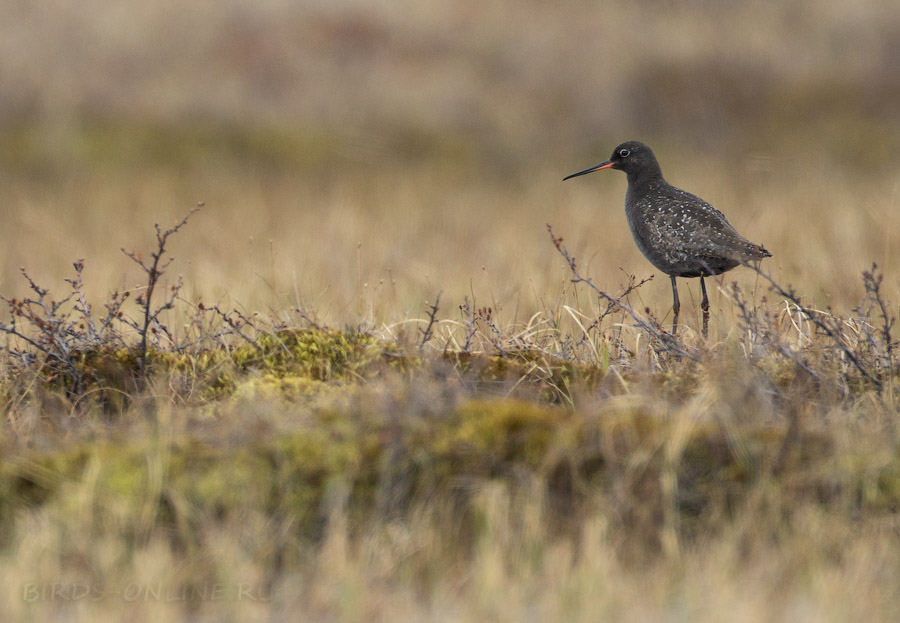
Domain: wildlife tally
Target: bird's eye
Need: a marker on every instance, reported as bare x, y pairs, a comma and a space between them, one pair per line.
624, 153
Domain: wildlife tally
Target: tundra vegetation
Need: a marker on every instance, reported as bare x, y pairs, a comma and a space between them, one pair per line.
364, 380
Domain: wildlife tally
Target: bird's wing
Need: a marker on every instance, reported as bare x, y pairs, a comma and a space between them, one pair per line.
694, 227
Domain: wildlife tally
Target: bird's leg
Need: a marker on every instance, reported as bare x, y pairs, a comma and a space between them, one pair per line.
676, 305
704, 305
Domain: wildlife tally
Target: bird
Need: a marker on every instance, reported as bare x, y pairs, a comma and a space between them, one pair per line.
678, 232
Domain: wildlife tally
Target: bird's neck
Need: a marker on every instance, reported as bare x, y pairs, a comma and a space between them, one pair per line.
646, 176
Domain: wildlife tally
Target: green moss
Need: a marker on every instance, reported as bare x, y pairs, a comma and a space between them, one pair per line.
552, 378
32, 477
325, 354
375, 461
269, 386
288, 364
436, 428
883, 491
301, 363
485, 433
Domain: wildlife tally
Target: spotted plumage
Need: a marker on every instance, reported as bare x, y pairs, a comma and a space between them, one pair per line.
681, 235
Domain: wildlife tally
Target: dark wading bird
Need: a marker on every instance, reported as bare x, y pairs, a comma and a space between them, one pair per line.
679, 233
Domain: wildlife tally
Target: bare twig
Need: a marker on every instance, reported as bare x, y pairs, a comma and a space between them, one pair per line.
428, 331
154, 269
237, 325
820, 323
57, 336
761, 330
466, 309
872, 280
668, 341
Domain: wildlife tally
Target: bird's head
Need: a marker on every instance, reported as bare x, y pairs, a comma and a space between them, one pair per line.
630, 156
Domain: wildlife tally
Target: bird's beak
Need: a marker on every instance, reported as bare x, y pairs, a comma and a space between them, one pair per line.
602, 165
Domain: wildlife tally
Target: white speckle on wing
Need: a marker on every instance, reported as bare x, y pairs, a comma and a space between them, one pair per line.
682, 234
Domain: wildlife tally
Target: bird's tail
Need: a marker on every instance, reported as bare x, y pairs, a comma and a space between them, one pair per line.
759, 252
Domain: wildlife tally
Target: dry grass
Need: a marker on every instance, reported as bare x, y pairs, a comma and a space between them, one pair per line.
371, 247
355, 162
421, 497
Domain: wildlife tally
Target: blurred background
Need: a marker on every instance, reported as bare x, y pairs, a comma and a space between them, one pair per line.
356, 158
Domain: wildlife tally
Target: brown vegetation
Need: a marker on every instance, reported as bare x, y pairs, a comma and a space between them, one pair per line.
369, 385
